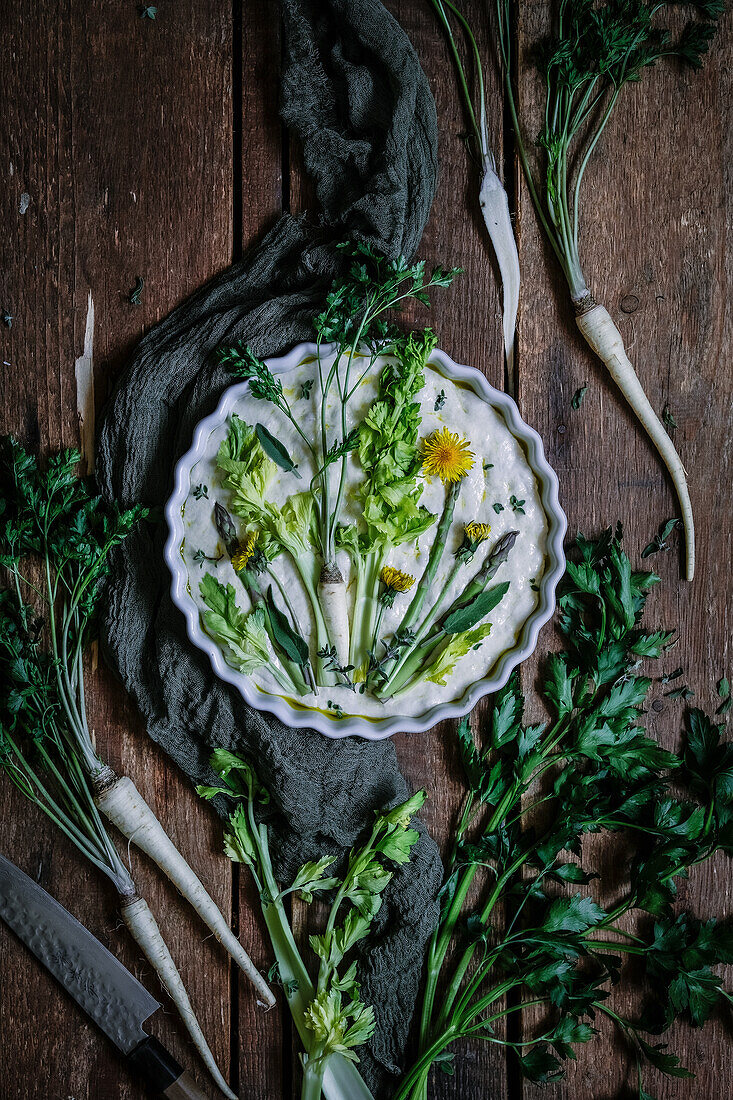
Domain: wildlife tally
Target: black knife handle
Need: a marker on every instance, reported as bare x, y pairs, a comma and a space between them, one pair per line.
163, 1072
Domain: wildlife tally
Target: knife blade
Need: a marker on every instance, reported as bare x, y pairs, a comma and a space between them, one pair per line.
113, 997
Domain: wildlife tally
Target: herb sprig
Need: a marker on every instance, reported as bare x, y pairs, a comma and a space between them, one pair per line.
592, 768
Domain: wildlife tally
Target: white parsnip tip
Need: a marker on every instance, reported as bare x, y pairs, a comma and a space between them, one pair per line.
602, 335
124, 806
495, 210
144, 930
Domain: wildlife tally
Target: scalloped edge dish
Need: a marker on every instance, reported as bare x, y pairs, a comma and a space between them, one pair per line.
372, 729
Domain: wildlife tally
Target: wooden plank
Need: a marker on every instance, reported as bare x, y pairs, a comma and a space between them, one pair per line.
467, 319
118, 163
653, 242
107, 202
263, 1038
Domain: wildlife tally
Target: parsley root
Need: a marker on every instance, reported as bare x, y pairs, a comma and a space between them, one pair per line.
595, 51
46, 746
602, 335
332, 598
493, 199
123, 805
143, 928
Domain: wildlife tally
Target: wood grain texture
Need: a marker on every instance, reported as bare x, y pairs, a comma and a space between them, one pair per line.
263, 1039
118, 130
154, 149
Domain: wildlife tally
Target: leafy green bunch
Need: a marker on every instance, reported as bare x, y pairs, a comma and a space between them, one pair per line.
355, 321
388, 448
593, 53
53, 513
615, 41
56, 536
534, 792
372, 284
330, 1016
390, 458
52, 516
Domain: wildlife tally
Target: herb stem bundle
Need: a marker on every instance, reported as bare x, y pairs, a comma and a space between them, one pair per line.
560, 949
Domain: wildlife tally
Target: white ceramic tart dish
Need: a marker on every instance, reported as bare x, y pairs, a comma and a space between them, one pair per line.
511, 487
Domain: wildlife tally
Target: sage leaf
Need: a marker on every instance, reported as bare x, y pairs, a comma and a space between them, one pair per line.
466, 617
274, 449
283, 634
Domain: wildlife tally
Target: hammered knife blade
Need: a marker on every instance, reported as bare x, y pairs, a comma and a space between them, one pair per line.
99, 983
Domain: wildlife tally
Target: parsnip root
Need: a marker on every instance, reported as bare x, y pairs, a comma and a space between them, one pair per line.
495, 209
602, 335
332, 598
144, 930
123, 805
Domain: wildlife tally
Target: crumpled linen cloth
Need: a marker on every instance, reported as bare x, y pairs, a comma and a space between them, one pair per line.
354, 93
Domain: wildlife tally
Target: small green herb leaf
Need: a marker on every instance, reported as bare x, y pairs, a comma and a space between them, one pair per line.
466, 617
135, 295
274, 449
683, 692
578, 396
667, 417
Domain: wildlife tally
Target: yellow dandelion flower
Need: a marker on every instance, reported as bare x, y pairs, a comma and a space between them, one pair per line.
477, 532
241, 557
446, 455
395, 579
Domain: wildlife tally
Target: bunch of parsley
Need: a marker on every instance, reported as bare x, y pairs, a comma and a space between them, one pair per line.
55, 540
533, 793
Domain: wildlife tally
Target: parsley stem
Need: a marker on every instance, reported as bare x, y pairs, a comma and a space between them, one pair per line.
488, 999
522, 1006
626, 948
444, 933
414, 1077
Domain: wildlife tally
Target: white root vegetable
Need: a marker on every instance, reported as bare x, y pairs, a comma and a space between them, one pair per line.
495, 209
144, 930
602, 335
493, 198
123, 805
332, 598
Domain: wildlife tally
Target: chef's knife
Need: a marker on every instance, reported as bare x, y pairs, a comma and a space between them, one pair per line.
97, 981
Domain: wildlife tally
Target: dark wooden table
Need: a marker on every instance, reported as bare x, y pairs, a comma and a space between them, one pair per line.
132, 147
